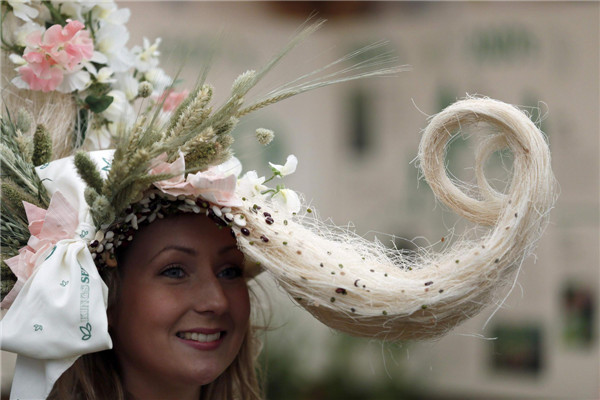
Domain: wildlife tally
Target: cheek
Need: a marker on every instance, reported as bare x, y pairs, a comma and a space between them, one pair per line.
141, 310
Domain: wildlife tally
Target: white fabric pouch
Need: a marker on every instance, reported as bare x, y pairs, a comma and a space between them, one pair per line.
60, 312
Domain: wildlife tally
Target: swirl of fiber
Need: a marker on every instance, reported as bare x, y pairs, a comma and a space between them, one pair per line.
365, 289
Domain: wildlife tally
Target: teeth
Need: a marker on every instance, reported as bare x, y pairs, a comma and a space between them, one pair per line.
200, 337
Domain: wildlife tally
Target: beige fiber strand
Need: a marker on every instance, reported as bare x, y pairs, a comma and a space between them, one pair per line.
366, 289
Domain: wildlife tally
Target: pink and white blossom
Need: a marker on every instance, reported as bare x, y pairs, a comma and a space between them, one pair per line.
54, 53
216, 185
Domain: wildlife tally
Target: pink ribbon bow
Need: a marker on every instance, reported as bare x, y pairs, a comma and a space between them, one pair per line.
47, 227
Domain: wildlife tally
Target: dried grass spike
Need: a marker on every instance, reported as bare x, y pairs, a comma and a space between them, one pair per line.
24, 120
88, 171
42, 146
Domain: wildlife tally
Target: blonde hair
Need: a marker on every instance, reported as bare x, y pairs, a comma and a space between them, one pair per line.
96, 376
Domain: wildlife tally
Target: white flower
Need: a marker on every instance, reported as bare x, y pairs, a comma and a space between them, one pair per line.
97, 139
288, 168
146, 57
287, 199
78, 80
110, 41
158, 79
24, 30
126, 83
99, 58
105, 75
250, 185
74, 8
22, 10
119, 110
109, 12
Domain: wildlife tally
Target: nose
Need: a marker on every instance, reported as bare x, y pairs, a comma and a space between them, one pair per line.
209, 295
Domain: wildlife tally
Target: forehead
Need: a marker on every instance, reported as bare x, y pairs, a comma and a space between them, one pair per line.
190, 230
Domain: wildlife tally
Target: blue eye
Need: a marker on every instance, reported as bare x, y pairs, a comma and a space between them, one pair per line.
230, 273
174, 272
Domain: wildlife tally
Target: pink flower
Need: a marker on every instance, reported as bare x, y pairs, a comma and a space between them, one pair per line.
173, 99
47, 227
53, 53
216, 185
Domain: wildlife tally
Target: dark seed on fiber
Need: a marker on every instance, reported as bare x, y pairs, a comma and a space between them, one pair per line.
266, 214
428, 283
264, 238
269, 220
341, 291
353, 309
321, 265
245, 231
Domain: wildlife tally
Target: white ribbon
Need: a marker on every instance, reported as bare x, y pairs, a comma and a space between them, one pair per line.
60, 312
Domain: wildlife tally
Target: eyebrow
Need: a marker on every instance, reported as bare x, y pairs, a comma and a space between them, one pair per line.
192, 252
183, 249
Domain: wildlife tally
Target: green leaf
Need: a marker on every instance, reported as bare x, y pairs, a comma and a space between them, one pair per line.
98, 103
87, 331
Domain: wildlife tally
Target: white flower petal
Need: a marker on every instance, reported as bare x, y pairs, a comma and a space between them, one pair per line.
20, 83
289, 168
250, 185
74, 81
99, 58
288, 200
23, 11
17, 59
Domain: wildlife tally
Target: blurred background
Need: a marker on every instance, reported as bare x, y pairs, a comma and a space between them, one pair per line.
356, 143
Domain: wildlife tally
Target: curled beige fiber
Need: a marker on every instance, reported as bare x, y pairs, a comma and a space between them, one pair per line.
366, 289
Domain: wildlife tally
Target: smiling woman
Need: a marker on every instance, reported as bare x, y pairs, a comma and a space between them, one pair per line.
178, 315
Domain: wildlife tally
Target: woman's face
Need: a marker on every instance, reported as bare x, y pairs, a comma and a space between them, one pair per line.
183, 308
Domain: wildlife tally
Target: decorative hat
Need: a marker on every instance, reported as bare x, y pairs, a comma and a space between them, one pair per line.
69, 202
